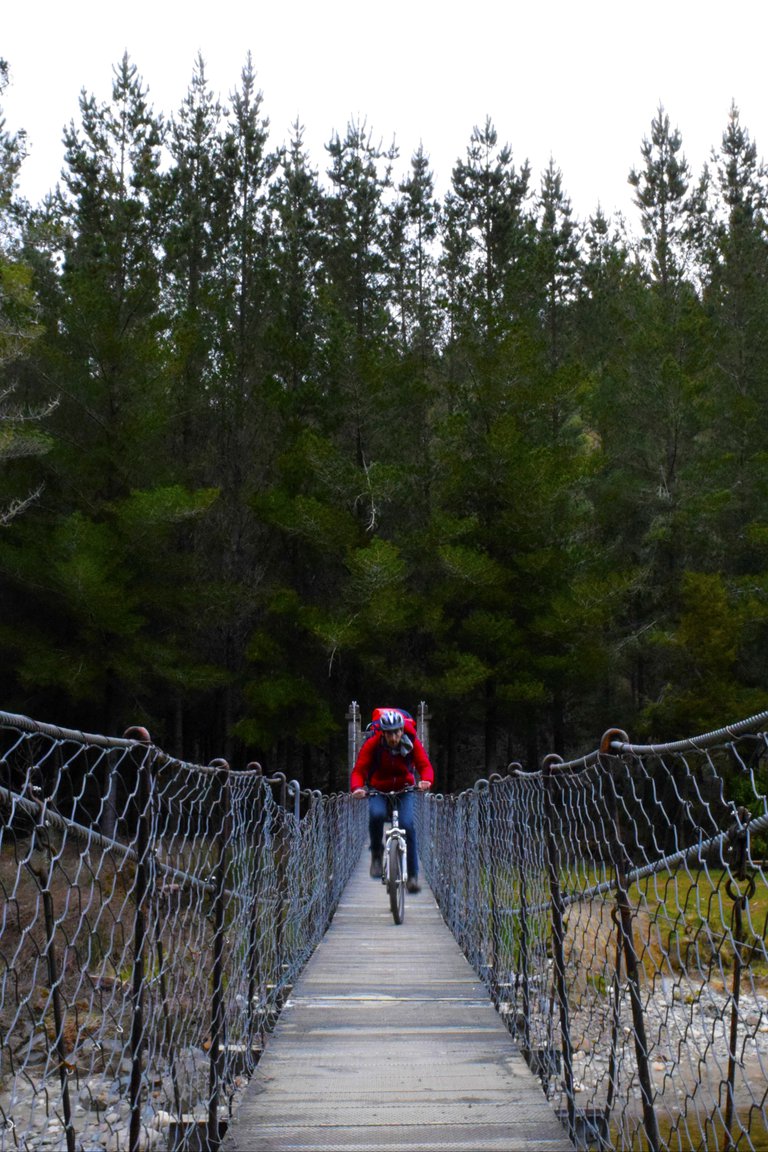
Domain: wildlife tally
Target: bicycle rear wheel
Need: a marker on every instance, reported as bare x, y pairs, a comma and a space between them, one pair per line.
396, 883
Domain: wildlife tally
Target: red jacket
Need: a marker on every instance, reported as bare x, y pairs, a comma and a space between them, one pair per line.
389, 771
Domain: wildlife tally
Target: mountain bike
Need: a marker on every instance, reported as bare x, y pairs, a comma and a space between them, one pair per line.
394, 868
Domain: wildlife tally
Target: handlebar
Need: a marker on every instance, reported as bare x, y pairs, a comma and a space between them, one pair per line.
389, 795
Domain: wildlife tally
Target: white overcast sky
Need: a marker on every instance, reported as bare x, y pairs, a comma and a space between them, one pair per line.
578, 82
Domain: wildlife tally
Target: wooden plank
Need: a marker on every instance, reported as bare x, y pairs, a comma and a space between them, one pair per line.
389, 1041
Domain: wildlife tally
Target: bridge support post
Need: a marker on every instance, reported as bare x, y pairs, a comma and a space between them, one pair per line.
422, 724
354, 735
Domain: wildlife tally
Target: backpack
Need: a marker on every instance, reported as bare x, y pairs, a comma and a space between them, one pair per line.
409, 726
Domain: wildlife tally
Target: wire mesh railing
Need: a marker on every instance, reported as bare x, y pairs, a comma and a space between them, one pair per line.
155, 916
616, 908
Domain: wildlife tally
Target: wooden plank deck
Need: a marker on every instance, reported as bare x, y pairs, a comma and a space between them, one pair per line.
389, 1041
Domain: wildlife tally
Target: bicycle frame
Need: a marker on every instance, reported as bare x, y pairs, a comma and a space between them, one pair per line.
394, 871
394, 832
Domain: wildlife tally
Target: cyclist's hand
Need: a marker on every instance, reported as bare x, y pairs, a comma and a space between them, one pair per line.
359, 792
425, 785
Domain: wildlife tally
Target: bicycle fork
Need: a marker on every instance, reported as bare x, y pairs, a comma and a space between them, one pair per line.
397, 834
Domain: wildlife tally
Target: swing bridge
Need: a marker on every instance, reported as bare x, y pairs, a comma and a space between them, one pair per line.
159, 919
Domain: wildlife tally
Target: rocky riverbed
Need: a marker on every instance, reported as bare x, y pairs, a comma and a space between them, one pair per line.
688, 1034
174, 1110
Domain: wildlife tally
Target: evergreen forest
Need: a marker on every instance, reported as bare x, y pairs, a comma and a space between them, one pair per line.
280, 432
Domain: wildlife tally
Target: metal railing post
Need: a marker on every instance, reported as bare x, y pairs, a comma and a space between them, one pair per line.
217, 1000
294, 790
167, 1022
493, 896
141, 888
42, 865
740, 901
627, 938
558, 937
255, 960
460, 847
482, 894
525, 958
280, 778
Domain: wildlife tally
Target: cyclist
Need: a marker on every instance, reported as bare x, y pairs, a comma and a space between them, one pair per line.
389, 761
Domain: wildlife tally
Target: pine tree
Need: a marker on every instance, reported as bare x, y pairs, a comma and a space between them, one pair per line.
735, 400
239, 443
105, 352
509, 511
607, 317
666, 368
12, 153
356, 292
729, 533
192, 191
661, 188
360, 175
286, 678
648, 382
22, 431
558, 267
485, 235
102, 626
412, 251
297, 254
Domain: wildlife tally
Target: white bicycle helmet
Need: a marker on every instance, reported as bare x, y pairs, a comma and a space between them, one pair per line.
391, 721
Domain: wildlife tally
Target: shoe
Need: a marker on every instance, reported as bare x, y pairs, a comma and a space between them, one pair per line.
375, 866
413, 885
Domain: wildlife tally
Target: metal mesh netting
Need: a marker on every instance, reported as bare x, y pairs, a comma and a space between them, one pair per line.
155, 915
616, 908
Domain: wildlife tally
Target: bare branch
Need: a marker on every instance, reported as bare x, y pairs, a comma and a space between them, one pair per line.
18, 506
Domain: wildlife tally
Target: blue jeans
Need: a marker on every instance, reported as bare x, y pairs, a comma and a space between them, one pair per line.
378, 815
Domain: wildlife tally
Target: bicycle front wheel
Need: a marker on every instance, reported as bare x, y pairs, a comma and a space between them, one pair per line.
396, 883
